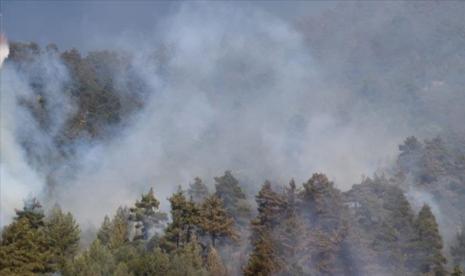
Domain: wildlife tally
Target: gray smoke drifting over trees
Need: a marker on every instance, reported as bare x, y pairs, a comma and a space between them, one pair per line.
238, 88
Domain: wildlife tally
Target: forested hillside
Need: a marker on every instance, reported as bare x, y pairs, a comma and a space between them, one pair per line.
291, 229
231, 141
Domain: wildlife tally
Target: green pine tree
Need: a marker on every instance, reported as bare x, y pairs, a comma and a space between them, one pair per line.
234, 199
25, 248
147, 216
429, 243
198, 191
457, 271
264, 259
63, 235
215, 221
185, 218
457, 250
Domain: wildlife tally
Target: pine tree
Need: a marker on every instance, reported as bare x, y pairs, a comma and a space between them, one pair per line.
25, 248
457, 250
97, 260
155, 263
264, 259
323, 214
63, 233
291, 233
215, 265
33, 213
185, 217
234, 199
457, 271
104, 232
119, 234
430, 243
197, 191
188, 260
215, 221
147, 216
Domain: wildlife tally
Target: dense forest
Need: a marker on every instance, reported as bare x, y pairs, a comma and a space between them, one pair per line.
307, 229
99, 145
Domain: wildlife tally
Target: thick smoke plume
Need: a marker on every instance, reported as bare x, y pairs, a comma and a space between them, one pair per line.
244, 95
256, 94
4, 49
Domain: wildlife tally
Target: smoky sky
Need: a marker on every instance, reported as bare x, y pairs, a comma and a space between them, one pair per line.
270, 90
88, 25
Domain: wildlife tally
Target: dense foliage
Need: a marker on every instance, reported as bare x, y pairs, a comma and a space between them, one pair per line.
378, 227
313, 229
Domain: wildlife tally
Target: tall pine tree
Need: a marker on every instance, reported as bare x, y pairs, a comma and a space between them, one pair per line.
429, 243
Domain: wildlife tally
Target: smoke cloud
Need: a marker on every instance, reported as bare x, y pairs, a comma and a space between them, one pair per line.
265, 97
4, 49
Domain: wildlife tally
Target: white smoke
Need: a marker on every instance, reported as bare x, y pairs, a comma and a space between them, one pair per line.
242, 94
4, 50
27, 150
239, 89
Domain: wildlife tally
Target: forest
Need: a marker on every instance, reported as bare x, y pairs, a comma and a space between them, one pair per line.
256, 146
294, 229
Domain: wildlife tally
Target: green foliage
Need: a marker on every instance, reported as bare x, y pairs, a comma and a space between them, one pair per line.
104, 232
95, 261
62, 233
429, 243
324, 214
24, 250
197, 191
147, 216
215, 221
32, 212
234, 199
264, 259
187, 260
215, 264
457, 249
457, 271
185, 216
32, 244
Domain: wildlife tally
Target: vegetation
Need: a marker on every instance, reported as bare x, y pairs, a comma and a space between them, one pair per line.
312, 229
309, 229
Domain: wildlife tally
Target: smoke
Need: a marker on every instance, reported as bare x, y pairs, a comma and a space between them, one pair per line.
244, 95
4, 49
28, 150
241, 89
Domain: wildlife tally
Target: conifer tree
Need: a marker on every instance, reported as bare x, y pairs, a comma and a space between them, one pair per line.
457, 250
291, 233
197, 191
62, 233
215, 265
215, 221
119, 234
430, 243
264, 259
457, 271
146, 215
104, 231
323, 214
25, 248
185, 216
234, 199
32, 212
96, 260
188, 260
